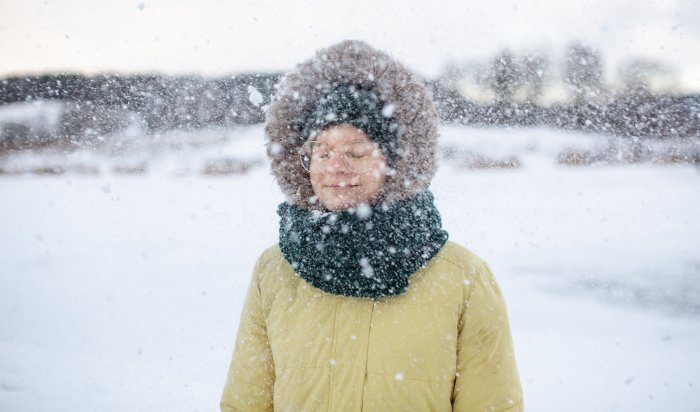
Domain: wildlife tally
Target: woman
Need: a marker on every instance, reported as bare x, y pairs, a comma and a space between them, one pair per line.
364, 305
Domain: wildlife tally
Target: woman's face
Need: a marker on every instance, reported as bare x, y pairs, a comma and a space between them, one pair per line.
346, 167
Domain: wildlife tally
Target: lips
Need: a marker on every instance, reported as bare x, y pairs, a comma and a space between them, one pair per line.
341, 186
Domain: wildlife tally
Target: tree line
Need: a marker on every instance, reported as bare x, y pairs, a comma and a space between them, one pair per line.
515, 86
108, 103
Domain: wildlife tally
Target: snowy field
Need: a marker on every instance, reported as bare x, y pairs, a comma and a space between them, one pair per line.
122, 292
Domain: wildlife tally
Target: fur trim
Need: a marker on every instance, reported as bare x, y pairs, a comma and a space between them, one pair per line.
356, 62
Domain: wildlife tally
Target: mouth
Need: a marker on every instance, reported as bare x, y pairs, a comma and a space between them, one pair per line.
341, 186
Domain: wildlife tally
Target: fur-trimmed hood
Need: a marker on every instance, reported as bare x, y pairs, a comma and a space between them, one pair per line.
355, 62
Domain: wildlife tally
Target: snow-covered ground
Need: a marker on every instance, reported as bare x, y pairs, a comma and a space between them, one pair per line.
122, 293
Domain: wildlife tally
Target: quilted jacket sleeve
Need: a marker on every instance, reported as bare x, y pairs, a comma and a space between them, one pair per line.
251, 376
487, 377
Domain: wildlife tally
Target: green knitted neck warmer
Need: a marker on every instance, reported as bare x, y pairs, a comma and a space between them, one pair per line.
369, 252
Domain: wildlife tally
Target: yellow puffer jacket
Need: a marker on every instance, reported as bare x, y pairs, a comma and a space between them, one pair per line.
444, 345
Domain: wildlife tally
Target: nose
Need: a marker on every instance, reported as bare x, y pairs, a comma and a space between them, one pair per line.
335, 163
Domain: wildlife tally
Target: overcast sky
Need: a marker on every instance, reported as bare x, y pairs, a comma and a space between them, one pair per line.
215, 37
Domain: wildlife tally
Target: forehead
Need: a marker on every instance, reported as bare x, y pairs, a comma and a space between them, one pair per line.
340, 134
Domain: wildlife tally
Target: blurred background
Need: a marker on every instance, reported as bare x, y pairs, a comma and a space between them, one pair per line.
135, 192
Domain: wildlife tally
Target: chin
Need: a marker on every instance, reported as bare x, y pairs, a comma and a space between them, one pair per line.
335, 204
338, 206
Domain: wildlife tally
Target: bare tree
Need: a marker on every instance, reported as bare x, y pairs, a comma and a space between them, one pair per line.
583, 71
534, 72
637, 75
504, 77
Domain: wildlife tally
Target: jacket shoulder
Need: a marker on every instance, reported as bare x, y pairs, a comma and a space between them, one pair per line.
273, 273
461, 257
472, 269
270, 264
270, 255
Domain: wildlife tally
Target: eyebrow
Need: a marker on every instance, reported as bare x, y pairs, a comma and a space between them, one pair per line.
351, 141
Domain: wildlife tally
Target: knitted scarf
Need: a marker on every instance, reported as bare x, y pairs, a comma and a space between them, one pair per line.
366, 252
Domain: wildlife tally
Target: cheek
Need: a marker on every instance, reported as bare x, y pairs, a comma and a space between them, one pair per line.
315, 182
374, 181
